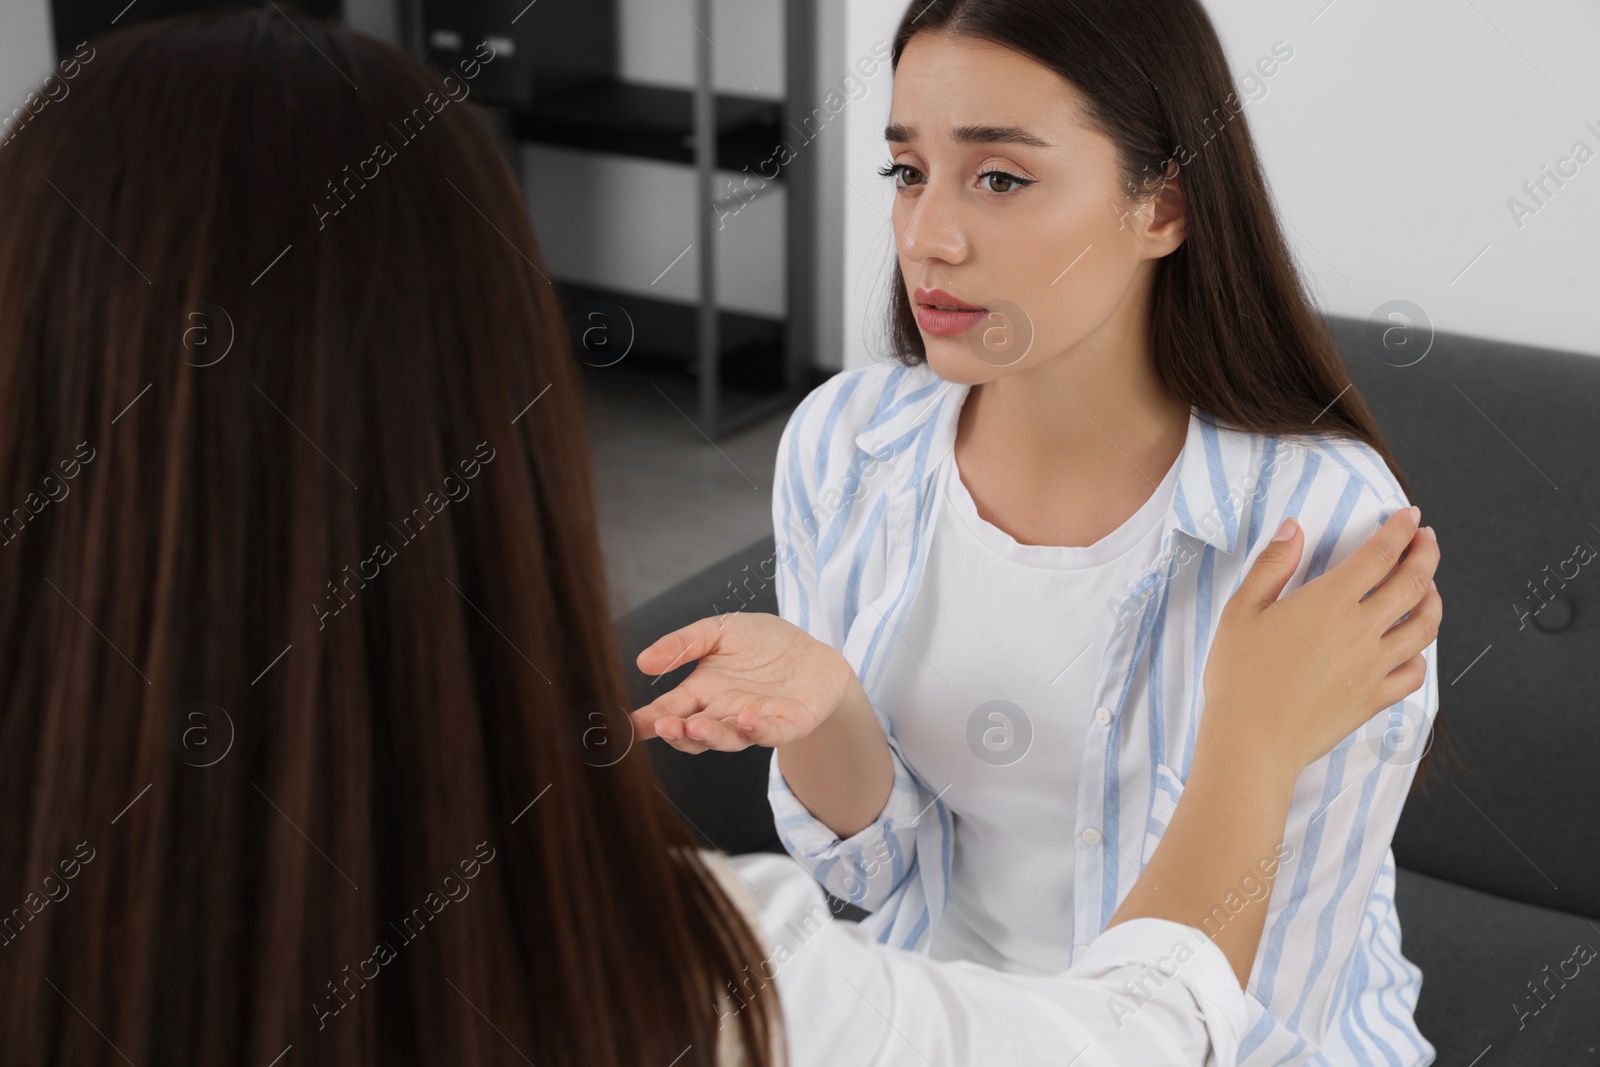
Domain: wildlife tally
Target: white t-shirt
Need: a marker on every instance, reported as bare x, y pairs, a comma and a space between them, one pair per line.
847, 1000
990, 697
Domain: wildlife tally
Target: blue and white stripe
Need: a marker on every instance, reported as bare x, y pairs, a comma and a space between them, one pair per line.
855, 500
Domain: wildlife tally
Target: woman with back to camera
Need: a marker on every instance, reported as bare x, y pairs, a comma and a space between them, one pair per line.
1002, 555
299, 670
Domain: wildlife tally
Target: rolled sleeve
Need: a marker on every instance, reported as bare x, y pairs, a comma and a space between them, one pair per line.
867, 867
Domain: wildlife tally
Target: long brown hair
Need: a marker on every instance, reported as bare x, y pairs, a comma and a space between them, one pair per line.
312, 713
1232, 329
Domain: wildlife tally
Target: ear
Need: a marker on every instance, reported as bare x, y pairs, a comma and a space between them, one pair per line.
1165, 222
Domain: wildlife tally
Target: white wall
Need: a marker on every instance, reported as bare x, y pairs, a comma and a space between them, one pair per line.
868, 236
1392, 141
1398, 132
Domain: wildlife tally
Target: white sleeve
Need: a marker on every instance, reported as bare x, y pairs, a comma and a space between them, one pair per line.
1145, 992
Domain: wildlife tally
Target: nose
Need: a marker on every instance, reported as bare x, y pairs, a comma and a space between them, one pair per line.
929, 226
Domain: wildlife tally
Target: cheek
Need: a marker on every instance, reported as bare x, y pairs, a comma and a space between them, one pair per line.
1071, 272
1062, 268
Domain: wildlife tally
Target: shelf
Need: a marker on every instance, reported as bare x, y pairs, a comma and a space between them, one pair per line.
650, 122
750, 346
560, 86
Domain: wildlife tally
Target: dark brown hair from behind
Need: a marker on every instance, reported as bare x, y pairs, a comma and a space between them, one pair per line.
1232, 329
304, 669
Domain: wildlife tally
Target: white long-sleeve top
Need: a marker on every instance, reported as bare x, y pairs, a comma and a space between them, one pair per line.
1146, 993
857, 496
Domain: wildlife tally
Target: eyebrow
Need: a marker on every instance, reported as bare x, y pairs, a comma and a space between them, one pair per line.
973, 135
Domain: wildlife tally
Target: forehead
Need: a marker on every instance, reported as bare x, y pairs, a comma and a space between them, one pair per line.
945, 81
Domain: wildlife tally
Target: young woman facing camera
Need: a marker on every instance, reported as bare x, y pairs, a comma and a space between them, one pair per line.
1003, 557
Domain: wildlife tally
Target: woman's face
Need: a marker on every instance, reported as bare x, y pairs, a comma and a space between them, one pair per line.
1009, 202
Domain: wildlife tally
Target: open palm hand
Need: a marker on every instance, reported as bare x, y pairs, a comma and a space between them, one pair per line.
760, 680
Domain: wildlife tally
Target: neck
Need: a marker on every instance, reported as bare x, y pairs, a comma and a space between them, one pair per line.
1095, 416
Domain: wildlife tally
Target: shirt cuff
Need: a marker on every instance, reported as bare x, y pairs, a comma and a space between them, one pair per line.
808, 837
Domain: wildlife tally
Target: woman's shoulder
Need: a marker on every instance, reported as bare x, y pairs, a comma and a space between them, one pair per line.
1339, 488
1347, 463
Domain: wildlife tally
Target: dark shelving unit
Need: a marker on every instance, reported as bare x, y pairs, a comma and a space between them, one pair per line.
562, 88
655, 122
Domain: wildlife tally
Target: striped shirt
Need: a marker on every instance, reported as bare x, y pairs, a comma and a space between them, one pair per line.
856, 496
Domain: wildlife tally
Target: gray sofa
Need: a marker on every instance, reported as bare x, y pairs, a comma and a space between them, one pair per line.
1499, 854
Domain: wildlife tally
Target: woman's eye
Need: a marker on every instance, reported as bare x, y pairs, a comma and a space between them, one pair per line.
1012, 182
897, 171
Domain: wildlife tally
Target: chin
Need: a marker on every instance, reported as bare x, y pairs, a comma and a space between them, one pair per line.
952, 360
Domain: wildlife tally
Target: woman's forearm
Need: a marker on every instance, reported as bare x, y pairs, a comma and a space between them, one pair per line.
1227, 828
842, 771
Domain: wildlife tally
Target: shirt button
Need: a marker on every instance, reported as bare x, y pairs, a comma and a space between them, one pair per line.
1092, 836
1103, 716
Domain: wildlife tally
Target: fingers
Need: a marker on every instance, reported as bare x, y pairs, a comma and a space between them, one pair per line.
732, 721
1273, 566
1406, 639
683, 645
1403, 590
1403, 681
701, 733
714, 733
736, 719
668, 715
1370, 564
675, 704
774, 723
672, 732
693, 725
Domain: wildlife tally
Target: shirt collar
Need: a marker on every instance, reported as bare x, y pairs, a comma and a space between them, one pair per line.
1214, 467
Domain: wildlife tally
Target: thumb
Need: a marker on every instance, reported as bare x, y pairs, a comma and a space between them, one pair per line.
683, 645
1275, 565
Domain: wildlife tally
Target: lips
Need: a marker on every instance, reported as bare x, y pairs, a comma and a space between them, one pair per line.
943, 315
942, 301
